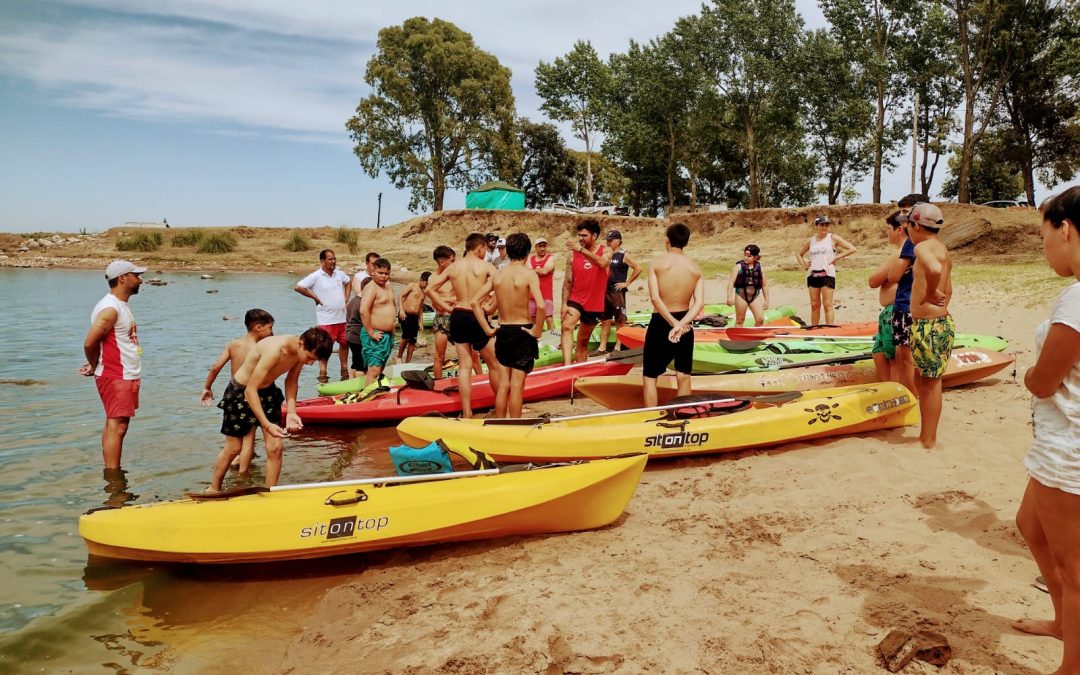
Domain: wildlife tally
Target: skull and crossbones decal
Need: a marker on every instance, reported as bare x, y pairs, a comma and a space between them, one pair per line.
823, 412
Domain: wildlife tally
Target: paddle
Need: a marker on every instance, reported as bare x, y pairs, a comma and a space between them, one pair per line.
499, 421
838, 360
635, 355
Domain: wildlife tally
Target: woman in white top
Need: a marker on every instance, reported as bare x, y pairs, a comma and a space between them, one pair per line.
1049, 515
820, 267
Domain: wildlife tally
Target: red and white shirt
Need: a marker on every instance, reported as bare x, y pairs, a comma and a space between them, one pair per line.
121, 355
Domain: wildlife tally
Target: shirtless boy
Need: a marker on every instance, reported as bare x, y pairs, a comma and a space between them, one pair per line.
677, 291
379, 315
584, 287
932, 328
412, 305
466, 277
516, 338
253, 398
259, 325
444, 257
884, 351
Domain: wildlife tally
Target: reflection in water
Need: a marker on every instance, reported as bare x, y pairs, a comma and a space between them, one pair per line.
116, 487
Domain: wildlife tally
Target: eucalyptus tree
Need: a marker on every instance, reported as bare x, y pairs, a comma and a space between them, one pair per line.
544, 168
935, 79
836, 110
984, 32
877, 34
1040, 118
574, 88
440, 112
748, 50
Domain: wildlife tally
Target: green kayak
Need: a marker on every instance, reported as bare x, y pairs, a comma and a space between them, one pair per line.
723, 356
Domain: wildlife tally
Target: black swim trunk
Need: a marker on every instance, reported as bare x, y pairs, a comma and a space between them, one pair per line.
614, 306
901, 328
357, 351
587, 318
465, 329
410, 328
818, 279
659, 351
515, 347
238, 419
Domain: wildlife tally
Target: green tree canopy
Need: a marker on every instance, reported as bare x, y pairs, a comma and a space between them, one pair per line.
837, 112
877, 35
574, 88
546, 168
440, 113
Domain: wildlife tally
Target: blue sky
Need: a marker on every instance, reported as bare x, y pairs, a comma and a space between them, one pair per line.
232, 112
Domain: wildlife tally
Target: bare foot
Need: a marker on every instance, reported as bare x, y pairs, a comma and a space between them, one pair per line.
928, 444
1037, 627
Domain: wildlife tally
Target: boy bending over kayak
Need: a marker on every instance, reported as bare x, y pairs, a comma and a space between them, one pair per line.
252, 397
260, 325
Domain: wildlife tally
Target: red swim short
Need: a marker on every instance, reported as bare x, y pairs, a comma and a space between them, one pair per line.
336, 332
120, 397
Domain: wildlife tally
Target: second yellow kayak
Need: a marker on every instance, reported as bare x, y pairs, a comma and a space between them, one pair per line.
678, 429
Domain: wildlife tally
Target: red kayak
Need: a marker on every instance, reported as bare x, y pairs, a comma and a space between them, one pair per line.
406, 401
861, 329
633, 337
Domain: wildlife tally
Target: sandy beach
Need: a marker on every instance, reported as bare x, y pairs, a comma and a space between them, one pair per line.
793, 559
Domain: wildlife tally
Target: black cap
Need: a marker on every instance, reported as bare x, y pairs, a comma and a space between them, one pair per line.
822, 220
614, 234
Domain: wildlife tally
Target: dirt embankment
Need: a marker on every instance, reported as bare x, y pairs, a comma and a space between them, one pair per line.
993, 235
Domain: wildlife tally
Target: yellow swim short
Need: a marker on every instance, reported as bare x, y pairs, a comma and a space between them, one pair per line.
931, 345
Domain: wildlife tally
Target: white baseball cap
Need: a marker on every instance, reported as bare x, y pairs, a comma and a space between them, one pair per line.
541, 240
502, 242
119, 268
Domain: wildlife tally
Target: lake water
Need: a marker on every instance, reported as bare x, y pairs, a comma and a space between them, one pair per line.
56, 611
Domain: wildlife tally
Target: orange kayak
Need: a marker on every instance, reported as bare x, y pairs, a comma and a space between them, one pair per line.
859, 329
623, 392
633, 337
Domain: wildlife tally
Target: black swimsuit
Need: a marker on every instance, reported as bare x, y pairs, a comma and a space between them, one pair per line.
748, 282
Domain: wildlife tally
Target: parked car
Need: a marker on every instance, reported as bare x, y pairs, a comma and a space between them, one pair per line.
1004, 204
605, 209
563, 207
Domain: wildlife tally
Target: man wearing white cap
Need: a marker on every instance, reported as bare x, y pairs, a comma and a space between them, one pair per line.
500, 259
543, 263
114, 358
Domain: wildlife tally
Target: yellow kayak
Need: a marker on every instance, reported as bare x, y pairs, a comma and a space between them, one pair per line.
310, 521
687, 428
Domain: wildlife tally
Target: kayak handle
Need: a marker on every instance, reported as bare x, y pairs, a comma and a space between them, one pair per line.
359, 496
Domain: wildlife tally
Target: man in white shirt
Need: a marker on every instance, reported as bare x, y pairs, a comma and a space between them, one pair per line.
114, 358
329, 288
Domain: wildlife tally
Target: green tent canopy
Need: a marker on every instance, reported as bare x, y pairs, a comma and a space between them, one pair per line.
496, 195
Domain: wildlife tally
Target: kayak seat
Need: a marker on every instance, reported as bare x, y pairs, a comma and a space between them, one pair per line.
704, 409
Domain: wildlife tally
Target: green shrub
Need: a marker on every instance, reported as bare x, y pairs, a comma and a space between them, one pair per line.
187, 237
349, 237
297, 243
217, 242
140, 241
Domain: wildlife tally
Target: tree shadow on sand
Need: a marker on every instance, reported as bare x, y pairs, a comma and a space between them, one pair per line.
938, 603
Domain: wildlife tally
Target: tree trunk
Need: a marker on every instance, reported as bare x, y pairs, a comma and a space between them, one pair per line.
438, 187
671, 168
752, 165
967, 150
588, 164
879, 143
693, 190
